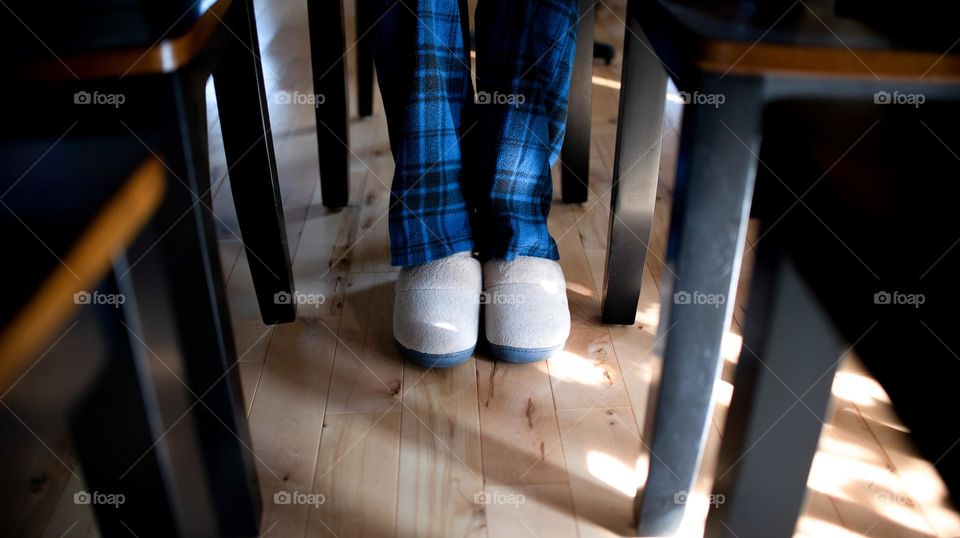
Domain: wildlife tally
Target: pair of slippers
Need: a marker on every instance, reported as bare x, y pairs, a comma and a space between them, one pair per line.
437, 310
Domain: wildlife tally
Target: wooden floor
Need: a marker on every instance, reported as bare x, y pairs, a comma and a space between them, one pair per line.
487, 448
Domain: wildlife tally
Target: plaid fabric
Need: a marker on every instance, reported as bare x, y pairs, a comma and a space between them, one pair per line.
474, 172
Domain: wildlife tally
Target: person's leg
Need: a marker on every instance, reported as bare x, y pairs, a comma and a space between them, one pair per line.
424, 75
524, 59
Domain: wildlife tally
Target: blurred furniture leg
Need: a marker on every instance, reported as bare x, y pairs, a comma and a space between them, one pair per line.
575, 154
718, 147
126, 407
726, 68
133, 434
248, 143
780, 402
329, 80
364, 15
191, 262
636, 169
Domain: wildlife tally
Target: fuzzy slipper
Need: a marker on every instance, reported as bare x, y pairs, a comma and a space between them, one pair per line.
437, 311
527, 316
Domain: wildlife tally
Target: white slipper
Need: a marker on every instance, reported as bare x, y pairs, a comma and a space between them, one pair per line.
437, 311
527, 316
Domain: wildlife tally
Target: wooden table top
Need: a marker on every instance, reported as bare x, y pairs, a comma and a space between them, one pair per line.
116, 42
805, 37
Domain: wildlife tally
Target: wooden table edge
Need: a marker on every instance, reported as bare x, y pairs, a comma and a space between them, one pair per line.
164, 56
742, 58
86, 263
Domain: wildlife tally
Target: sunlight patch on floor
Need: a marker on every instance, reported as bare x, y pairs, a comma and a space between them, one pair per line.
573, 368
579, 289
615, 473
606, 82
858, 389
813, 527
722, 393
730, 347
649, 316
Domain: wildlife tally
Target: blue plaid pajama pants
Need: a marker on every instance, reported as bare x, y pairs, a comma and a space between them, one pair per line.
473, 170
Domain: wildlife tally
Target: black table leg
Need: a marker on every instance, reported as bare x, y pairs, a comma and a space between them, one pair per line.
718, 150
191, 264
575, 154
329, 80
780, 402
636, 168
248, 145
365, 22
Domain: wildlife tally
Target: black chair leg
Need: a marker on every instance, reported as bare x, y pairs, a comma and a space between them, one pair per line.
252, 166
718, 147
636, 168
780, 402
191, 263
329, 80
365, 22
575, 154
